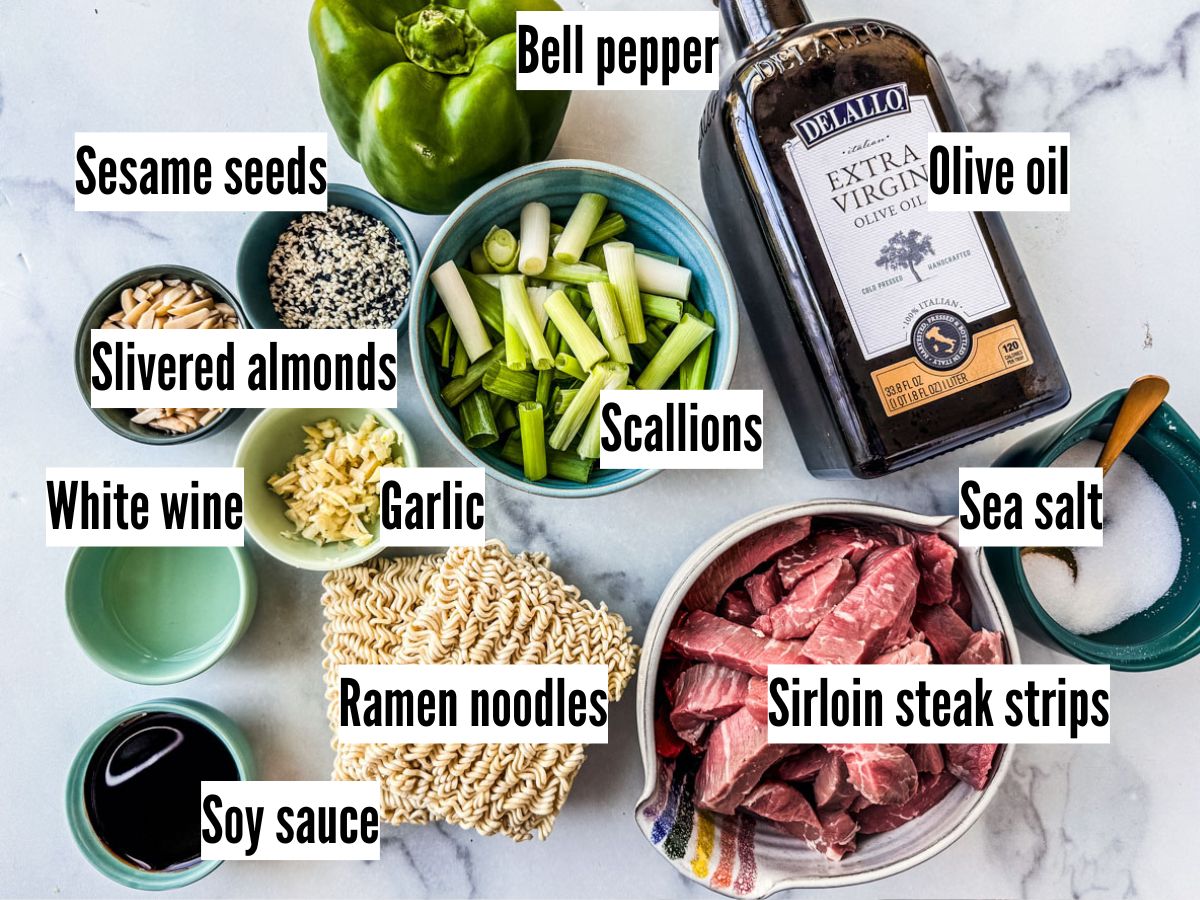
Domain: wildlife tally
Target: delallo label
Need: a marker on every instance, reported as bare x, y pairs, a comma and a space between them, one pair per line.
862, 166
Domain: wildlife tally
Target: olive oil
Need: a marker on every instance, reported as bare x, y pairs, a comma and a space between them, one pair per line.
893, 334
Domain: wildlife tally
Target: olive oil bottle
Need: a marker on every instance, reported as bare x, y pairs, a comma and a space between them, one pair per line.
893, 333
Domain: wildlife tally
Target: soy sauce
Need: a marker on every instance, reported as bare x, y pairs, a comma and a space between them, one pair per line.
142, 788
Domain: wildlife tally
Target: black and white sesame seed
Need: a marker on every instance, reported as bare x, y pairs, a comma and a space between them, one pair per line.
338, 269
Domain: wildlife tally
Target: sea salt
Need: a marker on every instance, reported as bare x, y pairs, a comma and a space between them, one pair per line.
1135, 567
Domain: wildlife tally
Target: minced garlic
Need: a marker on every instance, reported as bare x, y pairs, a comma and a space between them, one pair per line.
332, 489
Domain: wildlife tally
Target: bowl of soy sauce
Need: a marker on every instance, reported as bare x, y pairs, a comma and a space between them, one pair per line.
133, 792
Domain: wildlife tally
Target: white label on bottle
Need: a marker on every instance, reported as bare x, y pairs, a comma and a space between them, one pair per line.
862, 167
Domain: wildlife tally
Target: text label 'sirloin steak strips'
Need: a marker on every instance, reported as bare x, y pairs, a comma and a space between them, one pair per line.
737, 757
929, 793
708, 638
705, 692
872, 614
806, 604
763, 589
944, 630
883, 773
741, 559
935, 559
970, 762
823, 547
788, 809
985, 648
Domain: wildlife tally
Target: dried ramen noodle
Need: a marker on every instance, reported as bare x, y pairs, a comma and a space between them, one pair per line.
472, 605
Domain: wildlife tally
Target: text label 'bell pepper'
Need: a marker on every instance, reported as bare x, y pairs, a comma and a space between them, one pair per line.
424, 96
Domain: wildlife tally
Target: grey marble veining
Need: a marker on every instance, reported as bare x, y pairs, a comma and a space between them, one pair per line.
1115, 278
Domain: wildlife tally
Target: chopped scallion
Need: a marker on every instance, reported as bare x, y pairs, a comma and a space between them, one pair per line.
533, 440
579, 228
682, 340
622, 272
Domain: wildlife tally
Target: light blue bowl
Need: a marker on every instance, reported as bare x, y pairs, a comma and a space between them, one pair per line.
263, 234
657, 221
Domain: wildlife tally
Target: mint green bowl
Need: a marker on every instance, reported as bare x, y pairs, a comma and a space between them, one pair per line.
267, 445
1168, 632
93, 848
159, 615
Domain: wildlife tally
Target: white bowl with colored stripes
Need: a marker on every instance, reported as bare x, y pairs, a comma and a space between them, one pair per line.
741, 857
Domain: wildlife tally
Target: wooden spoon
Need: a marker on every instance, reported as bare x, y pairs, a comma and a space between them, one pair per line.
1144, 396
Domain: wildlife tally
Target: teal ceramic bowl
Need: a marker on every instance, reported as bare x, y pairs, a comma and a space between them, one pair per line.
263, 234
107, 302
1169, 631
159, 615
266, 447
85, 837
657, 221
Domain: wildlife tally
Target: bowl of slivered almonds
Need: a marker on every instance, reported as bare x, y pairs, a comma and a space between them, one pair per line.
157, 297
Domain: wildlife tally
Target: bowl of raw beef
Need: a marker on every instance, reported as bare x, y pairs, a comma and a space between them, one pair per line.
748, 818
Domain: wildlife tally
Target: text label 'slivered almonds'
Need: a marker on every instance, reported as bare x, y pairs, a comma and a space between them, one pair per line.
332, 489
172, 303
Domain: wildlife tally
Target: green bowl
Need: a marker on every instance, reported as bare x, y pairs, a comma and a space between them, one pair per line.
107, 302
266, 447
93, 848
263, 234
1169, 631
158, 615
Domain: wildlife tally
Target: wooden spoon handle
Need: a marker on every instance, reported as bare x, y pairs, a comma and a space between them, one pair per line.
1144, 397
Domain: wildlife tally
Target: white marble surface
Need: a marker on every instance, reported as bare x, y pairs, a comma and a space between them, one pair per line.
1116, 278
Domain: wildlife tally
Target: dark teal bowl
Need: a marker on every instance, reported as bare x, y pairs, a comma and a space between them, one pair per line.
1169, 631
263, 234
657, 221
107, 302
90, 845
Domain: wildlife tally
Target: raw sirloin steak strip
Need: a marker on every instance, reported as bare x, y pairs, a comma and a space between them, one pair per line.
824, 547
736, 607
930, 792
756, 698
741, 559
787, 809
876, 608
832, 789
883, 773
737, 757
914, 653
927, 758
935, 558
763, 588
803, 608
803, 766
970, 762
944, 630
984, 648
708, 638
960, 601
705, 692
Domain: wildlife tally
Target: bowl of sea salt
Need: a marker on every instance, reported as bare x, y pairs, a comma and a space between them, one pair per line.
1135, 602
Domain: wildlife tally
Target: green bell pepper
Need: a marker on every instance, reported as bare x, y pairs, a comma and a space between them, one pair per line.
424, 97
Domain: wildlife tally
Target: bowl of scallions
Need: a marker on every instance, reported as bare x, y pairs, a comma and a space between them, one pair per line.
545, 287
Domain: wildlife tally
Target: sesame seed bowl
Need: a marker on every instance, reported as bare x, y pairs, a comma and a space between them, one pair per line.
315, 299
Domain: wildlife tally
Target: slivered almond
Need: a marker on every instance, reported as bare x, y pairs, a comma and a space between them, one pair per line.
191, 320
172, 303
178, 310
